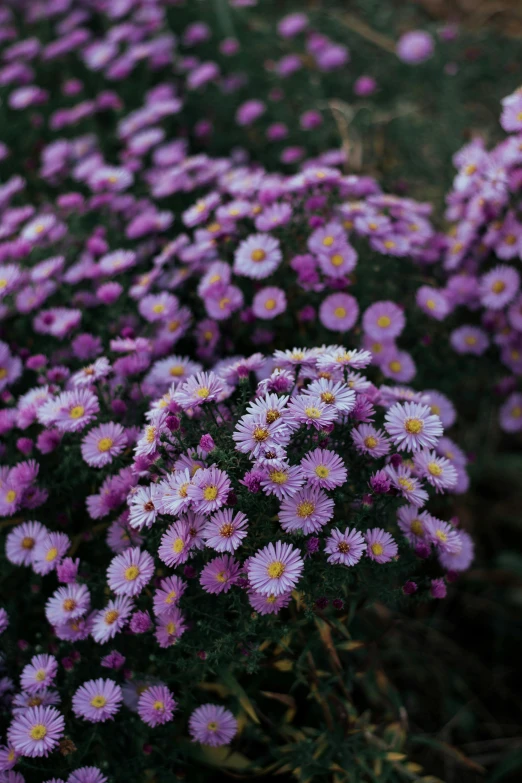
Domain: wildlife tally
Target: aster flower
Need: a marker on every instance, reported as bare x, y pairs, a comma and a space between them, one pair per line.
281, 479
68, 603
339, 312
209, 489
338, 358
76, 409
169, 627
438, 471
39, 674
175, 544
461, 559
380, 545
441, 406
49, 552
173, 492
499, 287
412, 426
200, 388
269, 302
345, 548
144, 505
443, 535
22, 541
412, 523
225, 530
369, 440
268, 603
308, 510
88, 375
408, 486
257, 256
383, 321
335, 393
168, 594
434, 303
469, 339
97, 700
36, 731
510, 414
312, 411
102, 444
275, 569
219, 575
253, 434
212, 725
156, 705
87, 775
323, 468
129, 572
109, 621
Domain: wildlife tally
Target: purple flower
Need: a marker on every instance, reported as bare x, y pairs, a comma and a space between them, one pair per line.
102, 444
275, 569
212, 725
225, 530
109, 621
323, 468
380, 545
345, 548
412, 426
39, 674
156, 705
97, 700
268, 303
257, 256
129, 572
415, 47
339, 312
219, 575
469, 339
36, 731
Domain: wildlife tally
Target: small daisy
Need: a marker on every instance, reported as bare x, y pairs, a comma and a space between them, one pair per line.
173, 492
323, 468
86, 775
383, 321
198, 389
103, 443
408, 486
282, 480
369, 440
156, 705
412, 426
175, 544
412, 523
380, 545
77, 408
253, 434
441, 406
269, 303
22, 541
225, 530
129, 572
209, 490
168, 594
443, 535
109, 621
312, 411
49, 552
339, 312
499, 287
269, 603
337, 394
97, 700
438, 471
36, 731
144, 505
99, 369
257, 256
68, 603
212, 725
345, 548
219, 575
275, 569
39, 674
308, 510
169, 628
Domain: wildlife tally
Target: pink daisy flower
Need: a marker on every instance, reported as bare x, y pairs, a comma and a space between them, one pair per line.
109, 621
369, 440
441, 406
226, 530
175, 544
312, 411
438, 471
97, 700
116, 262
308, 510
408, 486
22, 541
68, 603
338, 260
412, 523
380, 545
103, 443
173, 492
198, 389
269, 603
219, 575
461, 560
77, 408
339, 358
253, 434
144, 505
275, 569
383, 321
129, 572
209, 490
335, 393
257, 256
168, 594
443, 535
36, 731
49, 552
99, 369
469, 339
499, 287
339, 312
283, 480
345, 548
323, 468
212, 725
398, 365
169, 627
87, 775
412, 426
156, 705
268, 303
39, 674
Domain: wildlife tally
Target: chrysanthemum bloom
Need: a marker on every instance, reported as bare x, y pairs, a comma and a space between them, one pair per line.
144, 505
383, 321
22, 541
220, 574
461, 559
499, 287
39, 674
412, 522
339, 312
8, 757
47, 697
269, 603
339, 358
398, 365
369, 440
282, 480
175, 544
156, 705
275, 569
469, 339
103, 443
101, 368
77, 408
49, 552
169, 627
312, 411
323, 468
173, 492
438, 471
443, 535
308, 510
168, 594
209, 490
87, 775
129, 572
257, 256
253, 434
212, 725
225, 530
36, 731
345, 548
409, 487
380, 545
200, 388
269, 302
412, 426
434, 303
97, 700
110, 621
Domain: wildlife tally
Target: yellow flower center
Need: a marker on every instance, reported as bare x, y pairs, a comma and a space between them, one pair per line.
279, 476
370, 442
40, 675
132, 573
150, 434
158, 308
214, 227
434, 468
203, 393
270, 304
52, 554
416, 527
276, 569
69, 604
258, 255
322, 471
343, 547
170, 628
221, 576
516, 412
470, 340
389, 244
224, 302
182, 491
377, 549
111, 616
470, 168
3, 372
77, 412
337, 259
498, 286
395, 366
38, 732
3, 283
272, 415
305, 508
173, 325
441, 535
105, 444
226, 530
10, 495
260, 434
406, 483
171, 597
384, 321
212, 726
158, 705
98, 702
430, 304
27, 542
328, 241
414, 426
340, 312
327, 397
313, 412
510, 239
210, 493
271, 599
178, 545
